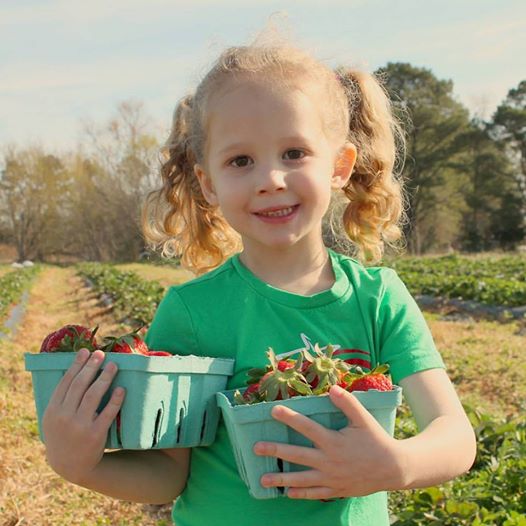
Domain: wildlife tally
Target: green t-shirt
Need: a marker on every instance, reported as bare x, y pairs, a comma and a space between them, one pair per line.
230, 313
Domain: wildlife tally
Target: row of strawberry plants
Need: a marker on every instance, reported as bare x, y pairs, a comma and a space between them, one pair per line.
493, 493
132, 297
12, 286
506, 267
493, 281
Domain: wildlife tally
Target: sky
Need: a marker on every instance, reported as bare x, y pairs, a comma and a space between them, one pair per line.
65, 63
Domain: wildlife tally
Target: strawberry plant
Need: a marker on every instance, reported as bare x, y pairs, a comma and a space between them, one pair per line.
493, 493
12, 286
490, 280
132, 297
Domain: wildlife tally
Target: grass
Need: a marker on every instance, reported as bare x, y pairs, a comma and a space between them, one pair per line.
485, 360
165, 275
4, 269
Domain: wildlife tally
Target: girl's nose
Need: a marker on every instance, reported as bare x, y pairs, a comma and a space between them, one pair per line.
270, 180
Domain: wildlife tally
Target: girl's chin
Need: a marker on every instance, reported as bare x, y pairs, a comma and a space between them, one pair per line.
276, 245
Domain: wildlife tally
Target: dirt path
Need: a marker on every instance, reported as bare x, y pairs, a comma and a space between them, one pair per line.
30, 492
485, 360
165, 275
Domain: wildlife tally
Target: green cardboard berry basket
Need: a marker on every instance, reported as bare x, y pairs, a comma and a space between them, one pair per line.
170, 400
248, 424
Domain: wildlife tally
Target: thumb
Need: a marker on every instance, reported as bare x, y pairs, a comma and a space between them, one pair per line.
352, 408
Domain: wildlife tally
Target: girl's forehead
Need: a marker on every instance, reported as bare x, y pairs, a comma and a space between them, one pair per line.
246, 105
269, 81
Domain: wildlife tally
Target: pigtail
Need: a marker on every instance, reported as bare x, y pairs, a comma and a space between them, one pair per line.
375, 206
177, 218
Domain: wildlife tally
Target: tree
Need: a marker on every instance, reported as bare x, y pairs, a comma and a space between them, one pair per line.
509, 125
433, 120
488, 190
34, 189
90, 222
124, 153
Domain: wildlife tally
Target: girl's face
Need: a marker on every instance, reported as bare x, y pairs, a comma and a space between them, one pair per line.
270, 166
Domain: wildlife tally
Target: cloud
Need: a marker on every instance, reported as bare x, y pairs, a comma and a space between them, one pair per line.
74, 12
114, 74
50, 102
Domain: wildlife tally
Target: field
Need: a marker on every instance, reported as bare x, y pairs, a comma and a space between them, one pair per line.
4, 269
484, 357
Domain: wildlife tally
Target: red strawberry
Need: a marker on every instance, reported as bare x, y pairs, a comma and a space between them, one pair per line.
376, 379
252, 388
251, 393
130, 343
361, 362
70, 338
283, 365
280, 384
343, 383
256, 374
159, 353
323, 370
249, 396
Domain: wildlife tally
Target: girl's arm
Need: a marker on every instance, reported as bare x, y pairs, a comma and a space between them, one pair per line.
446, 444
149, 476
75, 436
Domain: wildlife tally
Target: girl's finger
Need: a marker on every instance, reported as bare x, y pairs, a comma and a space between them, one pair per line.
313, 493
305, 456
93, 396
82, 381
104, 420
62, 388
352, 408
296, 479
316, 433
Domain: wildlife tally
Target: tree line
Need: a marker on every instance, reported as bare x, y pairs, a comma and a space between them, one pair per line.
465, 178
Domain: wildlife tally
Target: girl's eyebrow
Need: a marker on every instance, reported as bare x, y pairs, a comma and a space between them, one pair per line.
284, 140
235, 146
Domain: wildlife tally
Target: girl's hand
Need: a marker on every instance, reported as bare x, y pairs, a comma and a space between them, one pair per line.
74, 434
357, 460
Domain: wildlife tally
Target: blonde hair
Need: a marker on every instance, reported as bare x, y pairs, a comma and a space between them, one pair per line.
178, 219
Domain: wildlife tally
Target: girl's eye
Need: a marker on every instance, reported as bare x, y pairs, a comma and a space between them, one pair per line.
241, 161
295, 155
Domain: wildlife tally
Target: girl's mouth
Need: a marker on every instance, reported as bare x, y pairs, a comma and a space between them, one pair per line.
278, 215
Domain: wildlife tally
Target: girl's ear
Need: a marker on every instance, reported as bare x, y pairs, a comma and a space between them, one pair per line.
343, 165
206, 184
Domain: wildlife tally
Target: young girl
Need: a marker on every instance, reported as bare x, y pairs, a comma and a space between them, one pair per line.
269, 142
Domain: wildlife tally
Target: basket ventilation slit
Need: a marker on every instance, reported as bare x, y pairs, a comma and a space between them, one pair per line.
280, 489
203, 428
181, 416
118, 429
157, 429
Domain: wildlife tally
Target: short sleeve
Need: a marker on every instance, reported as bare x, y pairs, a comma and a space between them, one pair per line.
171, 329
406, 343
